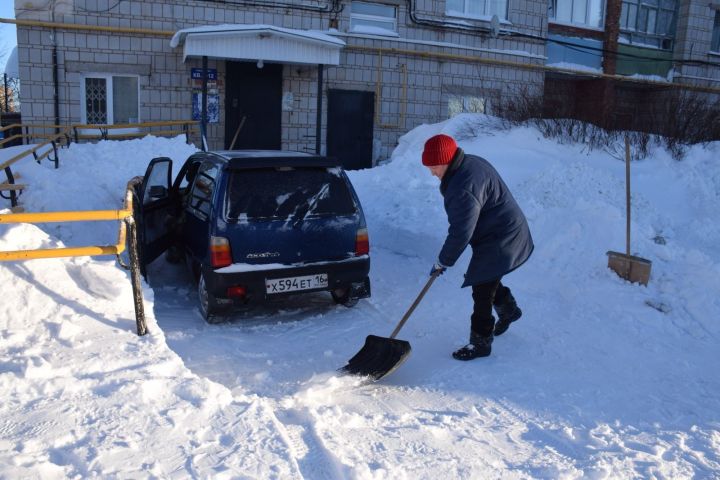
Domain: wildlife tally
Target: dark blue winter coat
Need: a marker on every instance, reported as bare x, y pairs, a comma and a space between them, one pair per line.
482, 213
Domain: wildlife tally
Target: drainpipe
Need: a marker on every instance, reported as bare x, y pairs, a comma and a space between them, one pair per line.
56, 83
7, 106
318, 122
203, 117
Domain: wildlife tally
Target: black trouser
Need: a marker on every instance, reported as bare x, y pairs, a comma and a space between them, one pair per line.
485, 295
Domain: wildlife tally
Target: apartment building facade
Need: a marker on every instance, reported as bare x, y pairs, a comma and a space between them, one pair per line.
349, 77
339, 77
668, 43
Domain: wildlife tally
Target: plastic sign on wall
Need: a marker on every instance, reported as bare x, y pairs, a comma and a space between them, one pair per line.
213, 95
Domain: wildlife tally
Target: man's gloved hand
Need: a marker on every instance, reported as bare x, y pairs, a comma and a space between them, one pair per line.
438, 269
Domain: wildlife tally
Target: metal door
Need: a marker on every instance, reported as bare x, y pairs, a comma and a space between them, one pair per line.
253, 106
350, 127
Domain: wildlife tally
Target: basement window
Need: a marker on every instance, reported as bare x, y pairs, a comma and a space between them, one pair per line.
458, 104
110, 99
373, 18
477, 9
589, 13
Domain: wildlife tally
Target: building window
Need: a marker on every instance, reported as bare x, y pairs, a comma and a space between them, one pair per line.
458, 104
482, 9
110, 100
373, 18
649, 22
715, 43
577, 12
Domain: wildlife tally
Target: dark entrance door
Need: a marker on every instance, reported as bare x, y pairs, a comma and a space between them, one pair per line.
254, 94
350, 127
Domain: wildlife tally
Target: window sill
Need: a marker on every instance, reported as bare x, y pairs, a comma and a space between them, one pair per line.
713, 53
576, 25
379, 32
476, 18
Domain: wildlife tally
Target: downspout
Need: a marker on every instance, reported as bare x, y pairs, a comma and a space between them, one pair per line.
56, 83
7, 105
203, 117
318, 122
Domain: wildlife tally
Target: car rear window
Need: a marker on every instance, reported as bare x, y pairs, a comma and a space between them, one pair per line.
288, 193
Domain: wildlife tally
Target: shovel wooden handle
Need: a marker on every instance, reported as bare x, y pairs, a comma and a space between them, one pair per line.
415, 304
627, 195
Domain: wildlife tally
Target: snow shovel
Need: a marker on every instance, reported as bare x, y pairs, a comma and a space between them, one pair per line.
381, 356
631, 268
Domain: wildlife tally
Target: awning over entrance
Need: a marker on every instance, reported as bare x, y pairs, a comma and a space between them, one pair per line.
259, 42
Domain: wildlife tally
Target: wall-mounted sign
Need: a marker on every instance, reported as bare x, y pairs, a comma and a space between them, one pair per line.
196, 74
213, 96
213, 107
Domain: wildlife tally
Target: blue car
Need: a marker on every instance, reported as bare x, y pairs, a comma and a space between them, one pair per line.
256, 225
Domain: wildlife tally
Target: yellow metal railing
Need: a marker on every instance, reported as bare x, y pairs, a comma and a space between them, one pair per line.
105, 132
33, 131
86, 216
50, 141
127, 222
81, 131
63, 135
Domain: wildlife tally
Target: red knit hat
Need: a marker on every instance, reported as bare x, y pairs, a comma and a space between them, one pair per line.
439, 150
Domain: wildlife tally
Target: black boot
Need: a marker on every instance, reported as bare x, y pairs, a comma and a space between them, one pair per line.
479, 346
507, 312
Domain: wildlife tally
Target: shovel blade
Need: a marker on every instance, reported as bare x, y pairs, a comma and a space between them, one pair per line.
379, 357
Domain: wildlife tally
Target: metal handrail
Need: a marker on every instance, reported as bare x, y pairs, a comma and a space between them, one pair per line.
31, 151
127, 229
72, 216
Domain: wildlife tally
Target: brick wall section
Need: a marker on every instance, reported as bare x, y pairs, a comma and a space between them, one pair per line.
692, 42
165, 86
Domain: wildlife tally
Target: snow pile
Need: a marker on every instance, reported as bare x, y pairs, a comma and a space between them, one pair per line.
600, 378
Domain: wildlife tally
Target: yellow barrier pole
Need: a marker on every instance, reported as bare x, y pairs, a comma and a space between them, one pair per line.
92, 215
127, 223
81, 216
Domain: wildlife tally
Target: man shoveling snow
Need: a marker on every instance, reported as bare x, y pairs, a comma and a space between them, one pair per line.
482, 213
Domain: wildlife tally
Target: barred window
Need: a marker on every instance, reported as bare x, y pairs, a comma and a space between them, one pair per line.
110, 100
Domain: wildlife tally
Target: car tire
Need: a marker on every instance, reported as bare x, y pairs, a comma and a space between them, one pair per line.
209, 308
342, 297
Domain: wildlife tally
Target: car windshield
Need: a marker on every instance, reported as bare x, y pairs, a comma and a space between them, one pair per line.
287, 193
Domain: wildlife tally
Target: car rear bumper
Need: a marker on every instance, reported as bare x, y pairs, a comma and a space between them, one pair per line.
350, 273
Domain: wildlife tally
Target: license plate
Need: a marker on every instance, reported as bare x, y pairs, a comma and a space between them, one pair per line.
293, 284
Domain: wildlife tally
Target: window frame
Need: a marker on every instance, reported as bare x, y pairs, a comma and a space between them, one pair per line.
632, 34
552, 17
195, 208
374, 18
715, 38
486, 15
109, 101
467, 104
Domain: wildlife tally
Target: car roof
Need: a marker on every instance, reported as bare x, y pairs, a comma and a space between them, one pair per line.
244, 159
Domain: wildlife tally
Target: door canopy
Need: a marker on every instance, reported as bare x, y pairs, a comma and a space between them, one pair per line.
259, 43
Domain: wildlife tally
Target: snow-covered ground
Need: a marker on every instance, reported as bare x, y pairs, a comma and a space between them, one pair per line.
599, 379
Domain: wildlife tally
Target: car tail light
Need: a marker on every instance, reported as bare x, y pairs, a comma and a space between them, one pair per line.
237, 291
362, 243
220, 255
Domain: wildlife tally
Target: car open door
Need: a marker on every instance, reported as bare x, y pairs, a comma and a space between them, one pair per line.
155, 212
